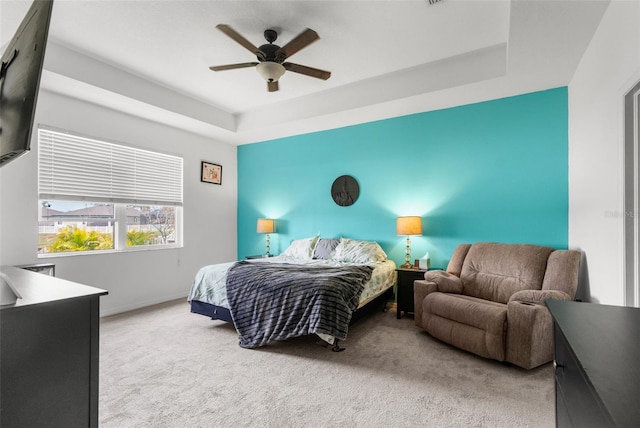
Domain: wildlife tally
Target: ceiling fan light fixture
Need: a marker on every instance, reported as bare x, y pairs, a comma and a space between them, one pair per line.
270, 71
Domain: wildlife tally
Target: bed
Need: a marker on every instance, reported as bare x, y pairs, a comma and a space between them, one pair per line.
316, 286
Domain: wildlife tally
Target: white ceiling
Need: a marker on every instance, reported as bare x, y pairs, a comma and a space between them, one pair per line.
387, 58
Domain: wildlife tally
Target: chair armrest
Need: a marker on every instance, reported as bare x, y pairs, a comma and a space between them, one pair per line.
446, 282
435, 280
529, 333
530, 327
421, 289
538, 296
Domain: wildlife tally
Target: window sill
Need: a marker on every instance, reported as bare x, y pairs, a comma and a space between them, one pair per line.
99, 252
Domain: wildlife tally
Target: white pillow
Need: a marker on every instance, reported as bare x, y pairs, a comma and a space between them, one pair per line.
301, 248
354, 251
324, 248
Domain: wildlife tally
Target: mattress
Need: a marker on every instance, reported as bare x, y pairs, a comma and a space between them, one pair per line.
209, 285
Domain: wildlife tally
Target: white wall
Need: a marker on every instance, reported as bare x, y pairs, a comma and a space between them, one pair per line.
609, 67
139, 278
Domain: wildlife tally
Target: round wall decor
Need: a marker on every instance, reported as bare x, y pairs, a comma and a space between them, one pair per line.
345, 190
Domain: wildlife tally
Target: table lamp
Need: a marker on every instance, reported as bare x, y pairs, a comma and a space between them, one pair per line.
407, 226
266, 225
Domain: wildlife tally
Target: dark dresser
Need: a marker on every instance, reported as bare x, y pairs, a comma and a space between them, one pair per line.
597, 364
49, 353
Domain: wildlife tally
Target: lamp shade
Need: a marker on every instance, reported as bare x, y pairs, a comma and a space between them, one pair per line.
409, 225
270, 71
266, 225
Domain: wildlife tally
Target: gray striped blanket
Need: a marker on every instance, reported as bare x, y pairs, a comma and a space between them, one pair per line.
270, 302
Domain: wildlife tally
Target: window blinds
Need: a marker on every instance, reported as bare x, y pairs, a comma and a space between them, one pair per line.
77, 168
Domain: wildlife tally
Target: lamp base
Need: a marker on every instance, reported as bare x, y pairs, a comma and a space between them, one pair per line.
408, 265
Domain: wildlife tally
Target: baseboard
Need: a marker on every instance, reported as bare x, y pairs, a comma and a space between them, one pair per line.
140, 305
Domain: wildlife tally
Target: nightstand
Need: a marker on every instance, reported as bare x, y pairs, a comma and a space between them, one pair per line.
404, 292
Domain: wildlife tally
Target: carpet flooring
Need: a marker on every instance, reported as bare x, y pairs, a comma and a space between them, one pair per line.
163, 366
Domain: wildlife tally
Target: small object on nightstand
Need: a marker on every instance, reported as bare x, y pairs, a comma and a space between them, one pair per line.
424, 262
257, 256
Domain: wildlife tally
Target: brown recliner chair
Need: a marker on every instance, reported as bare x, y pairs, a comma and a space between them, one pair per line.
490, 300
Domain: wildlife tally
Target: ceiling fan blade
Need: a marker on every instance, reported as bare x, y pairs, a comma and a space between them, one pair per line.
307, 71
240, 39
232, 66
272, 86
299, 42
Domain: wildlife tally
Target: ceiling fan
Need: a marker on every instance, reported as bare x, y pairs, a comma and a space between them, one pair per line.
271, 58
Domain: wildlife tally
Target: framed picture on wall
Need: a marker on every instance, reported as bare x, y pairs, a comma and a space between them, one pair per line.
211, 173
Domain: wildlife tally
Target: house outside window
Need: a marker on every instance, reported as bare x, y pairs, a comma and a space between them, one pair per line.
99, 196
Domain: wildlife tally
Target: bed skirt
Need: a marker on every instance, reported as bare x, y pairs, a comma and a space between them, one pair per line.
224, 314
212, 311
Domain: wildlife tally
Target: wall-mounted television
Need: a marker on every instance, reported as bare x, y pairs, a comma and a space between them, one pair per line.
20, 74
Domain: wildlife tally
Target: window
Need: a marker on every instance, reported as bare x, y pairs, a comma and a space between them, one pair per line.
101, 196
150, 225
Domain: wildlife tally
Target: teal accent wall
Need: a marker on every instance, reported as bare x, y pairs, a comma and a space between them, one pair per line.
492, 171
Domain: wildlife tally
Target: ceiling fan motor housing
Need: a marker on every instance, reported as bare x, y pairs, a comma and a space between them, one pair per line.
269, 51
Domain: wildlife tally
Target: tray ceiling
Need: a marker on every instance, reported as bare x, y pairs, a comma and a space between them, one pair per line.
387, 58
